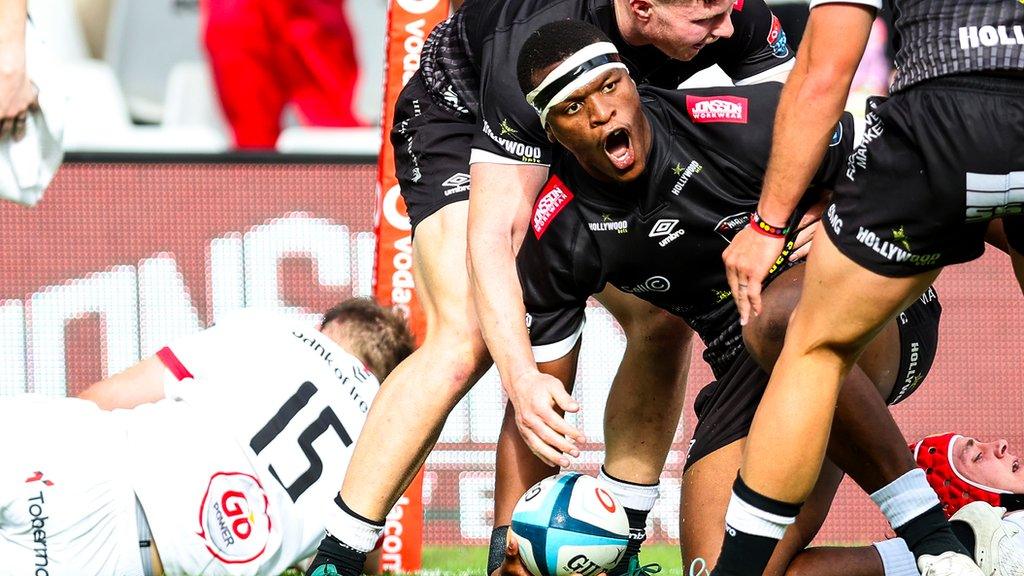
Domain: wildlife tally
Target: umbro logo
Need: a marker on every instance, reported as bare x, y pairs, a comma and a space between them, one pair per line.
663, 227
457, 179
666, 230
458, 182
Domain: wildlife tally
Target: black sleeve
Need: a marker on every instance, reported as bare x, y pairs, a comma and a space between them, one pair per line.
559, 269
508, 126
757, 45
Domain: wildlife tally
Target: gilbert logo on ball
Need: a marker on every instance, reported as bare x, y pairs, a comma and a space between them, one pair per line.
569, 523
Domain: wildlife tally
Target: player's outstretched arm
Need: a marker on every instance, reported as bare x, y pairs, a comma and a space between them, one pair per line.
139, 384
812, 102
16, 92
501, 199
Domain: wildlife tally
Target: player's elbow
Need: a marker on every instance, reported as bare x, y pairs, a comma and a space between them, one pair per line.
827, 83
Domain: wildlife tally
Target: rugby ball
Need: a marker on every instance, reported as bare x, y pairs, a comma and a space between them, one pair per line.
569, 523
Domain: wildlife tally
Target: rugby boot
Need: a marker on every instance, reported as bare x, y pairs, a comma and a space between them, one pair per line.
995, 550
948, 564
635, 569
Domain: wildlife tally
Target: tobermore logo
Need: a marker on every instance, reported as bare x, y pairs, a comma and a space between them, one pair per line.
706, 109
738, 5
553, 198
666, 228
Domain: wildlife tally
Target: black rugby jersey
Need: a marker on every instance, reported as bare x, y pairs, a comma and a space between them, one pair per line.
468, 62
660, 237
937, 38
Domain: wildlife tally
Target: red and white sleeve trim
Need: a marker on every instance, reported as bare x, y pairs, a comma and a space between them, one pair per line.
170, 360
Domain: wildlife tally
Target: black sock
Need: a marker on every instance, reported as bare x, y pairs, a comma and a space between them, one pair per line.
348, 561
637, 535
742, 553
965, 535
745, 554
496, 554
929, 533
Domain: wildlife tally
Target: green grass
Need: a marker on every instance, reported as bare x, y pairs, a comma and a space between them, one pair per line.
473, 559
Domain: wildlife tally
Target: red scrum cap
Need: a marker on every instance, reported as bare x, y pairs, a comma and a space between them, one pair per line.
934, 454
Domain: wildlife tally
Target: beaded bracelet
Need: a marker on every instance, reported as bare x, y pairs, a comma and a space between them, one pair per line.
758, 223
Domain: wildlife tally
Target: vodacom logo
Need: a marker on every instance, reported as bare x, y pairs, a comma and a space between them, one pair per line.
394, 214
418, 6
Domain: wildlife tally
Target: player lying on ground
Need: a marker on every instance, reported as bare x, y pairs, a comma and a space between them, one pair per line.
941, 158
652, 189
980, 484
463, 108
228, 462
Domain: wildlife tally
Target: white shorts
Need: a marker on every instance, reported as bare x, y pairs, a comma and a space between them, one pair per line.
66, 506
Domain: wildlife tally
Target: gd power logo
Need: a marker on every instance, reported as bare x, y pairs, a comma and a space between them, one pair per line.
233, 518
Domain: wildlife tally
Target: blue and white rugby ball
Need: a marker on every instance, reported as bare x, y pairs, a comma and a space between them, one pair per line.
569, 523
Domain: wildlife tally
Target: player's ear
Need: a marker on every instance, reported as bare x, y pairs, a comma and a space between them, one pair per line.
641, 9
551, 135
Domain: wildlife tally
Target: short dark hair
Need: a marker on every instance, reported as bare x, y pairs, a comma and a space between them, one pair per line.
551, 44
376, 335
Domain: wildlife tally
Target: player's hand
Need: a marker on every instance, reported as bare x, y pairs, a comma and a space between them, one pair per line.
806, 227
512, 565
536, 398
805, 233
17, 96
747, 261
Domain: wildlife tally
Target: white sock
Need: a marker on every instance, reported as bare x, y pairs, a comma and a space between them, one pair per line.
897, 559
906, 498
351, 529
633, 496
749, 519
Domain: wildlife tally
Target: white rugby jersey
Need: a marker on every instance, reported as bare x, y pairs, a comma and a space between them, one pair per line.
260, 421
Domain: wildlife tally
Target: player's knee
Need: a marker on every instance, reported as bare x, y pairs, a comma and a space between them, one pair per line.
798, 566
458, 360
661, 331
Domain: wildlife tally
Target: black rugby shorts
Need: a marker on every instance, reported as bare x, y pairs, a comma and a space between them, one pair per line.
725, 408
432, 147
937, 163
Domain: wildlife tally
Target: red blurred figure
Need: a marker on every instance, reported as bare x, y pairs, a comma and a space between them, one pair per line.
268, 53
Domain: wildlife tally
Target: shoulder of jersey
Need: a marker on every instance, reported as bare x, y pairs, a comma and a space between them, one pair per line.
553, 199
715, 105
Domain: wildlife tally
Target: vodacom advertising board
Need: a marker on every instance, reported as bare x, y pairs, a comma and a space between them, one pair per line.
409, 22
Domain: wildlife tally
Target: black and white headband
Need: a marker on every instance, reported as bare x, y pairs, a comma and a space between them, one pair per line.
572, 74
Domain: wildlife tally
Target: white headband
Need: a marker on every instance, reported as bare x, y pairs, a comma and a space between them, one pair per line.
572, 74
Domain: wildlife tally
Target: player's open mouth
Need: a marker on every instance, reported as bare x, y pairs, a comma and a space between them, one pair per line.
619, 149
1016, 466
